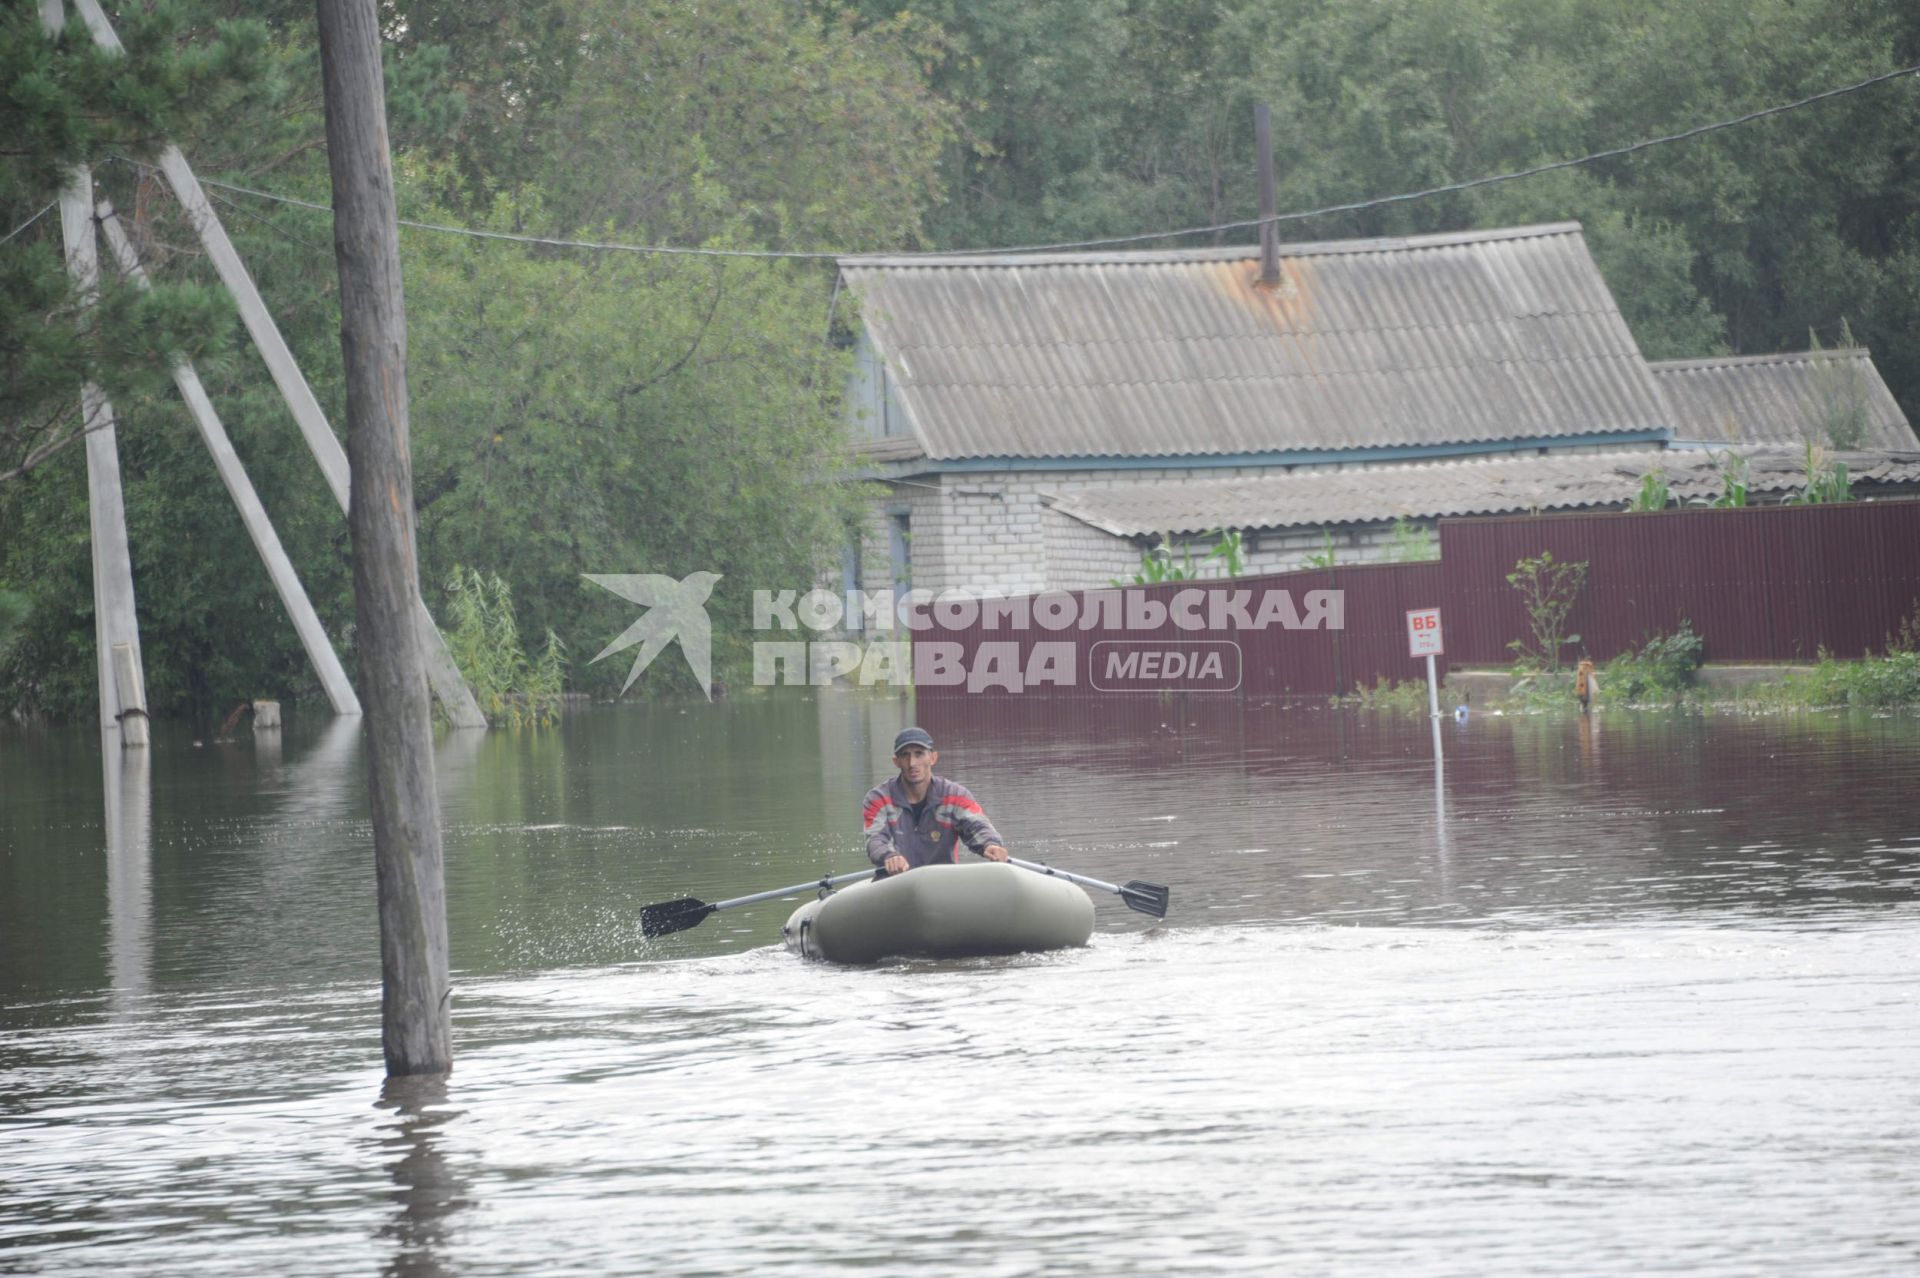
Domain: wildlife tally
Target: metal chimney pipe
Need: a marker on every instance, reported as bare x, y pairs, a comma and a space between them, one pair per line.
1269, 198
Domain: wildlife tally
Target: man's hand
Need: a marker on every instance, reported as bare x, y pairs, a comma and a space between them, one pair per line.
897, 864
994, 852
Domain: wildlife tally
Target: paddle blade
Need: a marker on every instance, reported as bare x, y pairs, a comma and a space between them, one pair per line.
1148, 898
672, 916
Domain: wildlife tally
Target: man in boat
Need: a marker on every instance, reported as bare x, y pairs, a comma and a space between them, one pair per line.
917, 818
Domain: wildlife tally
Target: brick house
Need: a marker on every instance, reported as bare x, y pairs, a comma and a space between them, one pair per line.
1037, 421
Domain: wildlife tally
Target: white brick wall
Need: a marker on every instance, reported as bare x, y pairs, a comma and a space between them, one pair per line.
991, 531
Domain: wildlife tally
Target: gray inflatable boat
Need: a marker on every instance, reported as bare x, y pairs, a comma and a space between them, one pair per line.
943, 911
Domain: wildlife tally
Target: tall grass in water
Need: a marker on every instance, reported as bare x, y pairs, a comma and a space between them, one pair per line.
485, 641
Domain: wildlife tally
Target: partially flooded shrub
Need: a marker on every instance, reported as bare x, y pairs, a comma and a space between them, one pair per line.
1664, 666
485, 642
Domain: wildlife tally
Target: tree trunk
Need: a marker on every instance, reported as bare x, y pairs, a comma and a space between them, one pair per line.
415, 991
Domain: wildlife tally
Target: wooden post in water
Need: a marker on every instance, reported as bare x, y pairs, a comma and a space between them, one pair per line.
416, 1023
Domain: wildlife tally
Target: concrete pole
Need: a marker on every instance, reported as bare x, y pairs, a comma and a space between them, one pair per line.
128, 776
115, 624
455, 697
416, 1026
293, 596
440, 668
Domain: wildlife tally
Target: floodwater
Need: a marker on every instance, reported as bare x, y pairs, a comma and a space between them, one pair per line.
1628, 994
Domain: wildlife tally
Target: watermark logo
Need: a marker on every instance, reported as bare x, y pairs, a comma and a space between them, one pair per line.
676, 610
1145, 665
1110, 640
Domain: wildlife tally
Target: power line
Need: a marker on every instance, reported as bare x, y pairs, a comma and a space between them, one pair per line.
29, 222
523, 239
1449, 189
1111, 241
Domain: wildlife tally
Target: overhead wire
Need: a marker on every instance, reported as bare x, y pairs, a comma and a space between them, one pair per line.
1452, 187
29, 222
1108, 241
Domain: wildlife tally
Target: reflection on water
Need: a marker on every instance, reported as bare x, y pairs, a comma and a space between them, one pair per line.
1639, 983
125, 778
427, 1191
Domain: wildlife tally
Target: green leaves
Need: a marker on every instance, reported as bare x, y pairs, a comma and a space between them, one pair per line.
1654, 493
1549, 588
1157, 565
620, 413
1826, 480
1662, 669
1325, 557
484, 638
1411, 543
1734, 481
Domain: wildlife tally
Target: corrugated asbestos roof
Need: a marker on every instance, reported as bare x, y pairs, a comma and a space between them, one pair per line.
1426, 490
1442, 339
1780, 399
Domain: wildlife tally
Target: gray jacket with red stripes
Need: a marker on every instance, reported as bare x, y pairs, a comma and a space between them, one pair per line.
951, 817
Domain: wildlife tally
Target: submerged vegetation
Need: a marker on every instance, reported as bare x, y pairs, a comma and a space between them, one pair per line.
1892, 679
1663, 673
1872, 683
1663, 668
1405, 696
485, 641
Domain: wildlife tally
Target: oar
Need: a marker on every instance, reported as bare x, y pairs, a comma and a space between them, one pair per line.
678, 916
1147, 898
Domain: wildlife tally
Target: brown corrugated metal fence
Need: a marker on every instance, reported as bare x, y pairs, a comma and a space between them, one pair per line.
1767, 584
1770, 583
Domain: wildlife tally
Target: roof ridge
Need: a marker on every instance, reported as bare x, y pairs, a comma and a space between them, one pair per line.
1077, 343
1219, 253
1249, 378
1777, 357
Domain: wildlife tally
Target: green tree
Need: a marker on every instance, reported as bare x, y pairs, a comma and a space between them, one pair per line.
68, 102
1113, 118
556, 436
573, 412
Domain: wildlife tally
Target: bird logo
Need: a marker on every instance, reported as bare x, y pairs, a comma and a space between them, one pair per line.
675, 610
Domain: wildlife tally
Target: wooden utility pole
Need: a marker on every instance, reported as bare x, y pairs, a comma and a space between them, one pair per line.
416, 1021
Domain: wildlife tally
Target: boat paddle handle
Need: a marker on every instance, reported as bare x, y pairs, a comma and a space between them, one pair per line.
1144, 897
775, 893
1057, 873
677, 916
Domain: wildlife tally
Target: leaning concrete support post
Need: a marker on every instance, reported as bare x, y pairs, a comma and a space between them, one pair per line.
131, 685
293, 596
416, 1029
114, 620
456, 699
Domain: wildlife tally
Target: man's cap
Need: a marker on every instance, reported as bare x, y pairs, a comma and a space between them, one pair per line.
912, 737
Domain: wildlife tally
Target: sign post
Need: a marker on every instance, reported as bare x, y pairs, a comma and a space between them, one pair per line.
1423, 640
